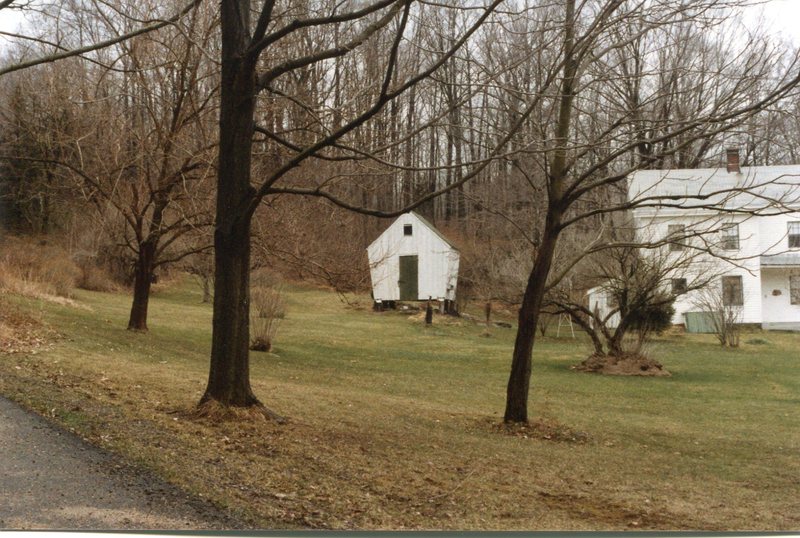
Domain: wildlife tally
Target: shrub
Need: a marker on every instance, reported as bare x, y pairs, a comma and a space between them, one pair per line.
116, 261
94, 278
268, 309
265, 278
653, 317
725, 319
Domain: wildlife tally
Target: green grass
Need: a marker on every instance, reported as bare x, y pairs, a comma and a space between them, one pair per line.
396, 425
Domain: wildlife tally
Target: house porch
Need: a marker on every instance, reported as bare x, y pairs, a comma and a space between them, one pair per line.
780, 292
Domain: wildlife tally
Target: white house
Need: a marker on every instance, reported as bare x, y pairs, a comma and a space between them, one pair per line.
745, 224
412, 261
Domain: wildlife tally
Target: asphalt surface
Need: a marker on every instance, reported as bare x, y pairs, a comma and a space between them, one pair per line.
52, 479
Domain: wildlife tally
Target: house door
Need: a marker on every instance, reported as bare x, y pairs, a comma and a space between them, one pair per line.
408, 282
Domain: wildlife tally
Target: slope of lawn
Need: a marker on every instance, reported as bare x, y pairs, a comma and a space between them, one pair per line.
394, 425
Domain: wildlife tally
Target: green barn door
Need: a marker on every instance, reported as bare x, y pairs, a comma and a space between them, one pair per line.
409, 266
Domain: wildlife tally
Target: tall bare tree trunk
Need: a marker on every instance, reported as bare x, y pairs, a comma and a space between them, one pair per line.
229, 379
229, 376
520, 377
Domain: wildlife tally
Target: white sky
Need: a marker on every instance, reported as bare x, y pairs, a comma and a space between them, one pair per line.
781, 17
9, 19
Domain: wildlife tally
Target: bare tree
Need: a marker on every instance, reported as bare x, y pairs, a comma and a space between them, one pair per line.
144, 150
598, 139
37, 131
637, 287
62, 47
721, 304
251, 66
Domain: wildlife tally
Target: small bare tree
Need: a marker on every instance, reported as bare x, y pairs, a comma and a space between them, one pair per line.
640, 287
723, 306
201, 266
269, 308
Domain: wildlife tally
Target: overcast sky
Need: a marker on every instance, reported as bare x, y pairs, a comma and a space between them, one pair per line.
783, 16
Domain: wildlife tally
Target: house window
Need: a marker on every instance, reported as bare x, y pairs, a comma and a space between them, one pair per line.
794, 289
407, 229
794, 234
730, 237
679, 286
732, 291
678, 231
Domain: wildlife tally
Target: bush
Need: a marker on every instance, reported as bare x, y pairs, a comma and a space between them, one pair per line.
116, 261
265, 278
94, 278
653, 318
268, 309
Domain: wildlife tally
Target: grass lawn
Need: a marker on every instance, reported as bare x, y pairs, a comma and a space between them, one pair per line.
394, 425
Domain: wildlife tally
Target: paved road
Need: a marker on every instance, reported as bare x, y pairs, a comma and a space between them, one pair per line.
51, 479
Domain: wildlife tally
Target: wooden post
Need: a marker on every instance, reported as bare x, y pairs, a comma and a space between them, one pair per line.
428, 313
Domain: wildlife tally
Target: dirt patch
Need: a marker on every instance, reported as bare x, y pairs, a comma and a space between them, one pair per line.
22, 333
214, 411
629, 364
542, 429
438, 319
607, 512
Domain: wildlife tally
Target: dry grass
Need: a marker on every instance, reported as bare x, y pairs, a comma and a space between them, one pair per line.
393, 425
21, 332
36, 268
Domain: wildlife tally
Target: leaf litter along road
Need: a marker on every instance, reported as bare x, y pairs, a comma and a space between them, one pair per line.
52, 479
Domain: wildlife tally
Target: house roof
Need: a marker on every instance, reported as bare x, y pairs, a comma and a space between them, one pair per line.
755, 187
424, 221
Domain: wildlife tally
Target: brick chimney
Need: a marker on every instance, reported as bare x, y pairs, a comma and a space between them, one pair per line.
733, 161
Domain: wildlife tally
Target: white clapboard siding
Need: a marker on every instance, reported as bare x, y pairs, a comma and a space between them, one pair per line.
438, 260
765, 259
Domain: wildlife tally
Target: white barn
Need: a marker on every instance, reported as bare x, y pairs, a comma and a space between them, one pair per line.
412, 261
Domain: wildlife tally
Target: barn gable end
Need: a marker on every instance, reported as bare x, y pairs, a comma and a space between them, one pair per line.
436, 261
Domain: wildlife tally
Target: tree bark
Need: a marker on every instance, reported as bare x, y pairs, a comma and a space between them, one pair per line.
143, 278
615, 342
519, 379
592, 331
229, 375
206, 289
